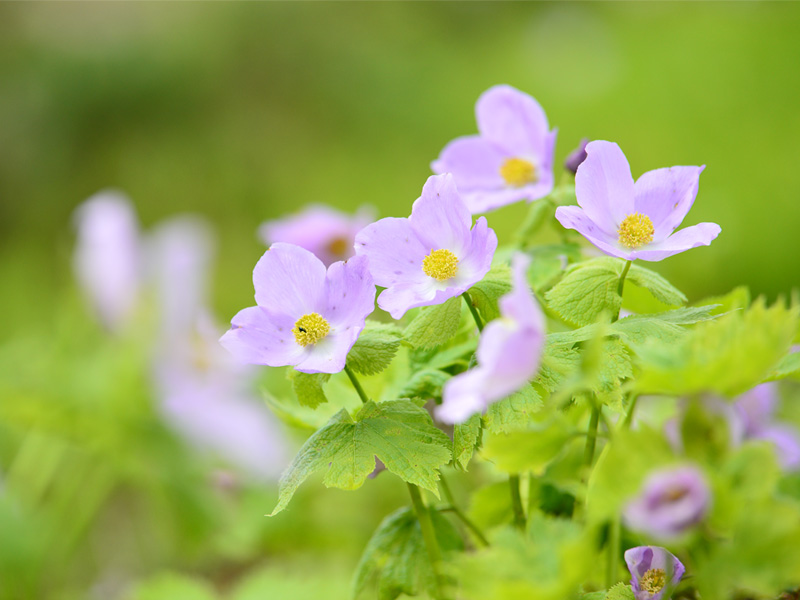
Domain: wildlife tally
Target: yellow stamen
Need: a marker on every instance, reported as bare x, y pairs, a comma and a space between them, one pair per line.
636, 230
440, 264
653, 581
310, 328
518, 172
339, 246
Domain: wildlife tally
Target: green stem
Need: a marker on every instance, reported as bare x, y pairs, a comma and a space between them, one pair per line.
621, 285
612, 552
626, 424
473, 310
354, 380
516, 502
429, 536
464, 519
591, 436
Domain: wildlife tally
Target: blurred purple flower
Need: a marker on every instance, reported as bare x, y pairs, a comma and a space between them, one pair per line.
508, 353
756, 407
654, 571
326, 232
512, 157
107, 258
714, 406
431, 256
671, 501
785, 439
305, 317
630, 220
576, 157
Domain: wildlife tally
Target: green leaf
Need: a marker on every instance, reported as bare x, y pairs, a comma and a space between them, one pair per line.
536, 217
465, 438
587, 290
662, 290
308, 387
614, 368
375, 348
489, 290
738, 298
601, 595
558, 363
620, 591
434, 325
172, 586
397, 557
398, 432
529, 450
664, 326
513, 412
788, 365
425, 384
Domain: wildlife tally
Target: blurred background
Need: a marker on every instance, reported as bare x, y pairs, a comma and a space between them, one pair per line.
241, 113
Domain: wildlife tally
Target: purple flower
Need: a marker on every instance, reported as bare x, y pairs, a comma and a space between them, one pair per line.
326, 232
785, 439
512, 157
306, 317
431, 256
107, 259
634, 220
508, 353
671, 501
756, 407
654, 570
576, 157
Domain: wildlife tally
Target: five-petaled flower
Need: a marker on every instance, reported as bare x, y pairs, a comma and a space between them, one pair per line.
654, 571
305, 317
326, 232
508, 353
634, 220
431, 256
512, 157
671, 501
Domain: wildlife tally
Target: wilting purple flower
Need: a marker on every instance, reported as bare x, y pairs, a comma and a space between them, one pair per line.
634, 220
508, 353
512, 157
654, 570
107, 257
576, 157
431, 256
306, 317
671, 501
326, 232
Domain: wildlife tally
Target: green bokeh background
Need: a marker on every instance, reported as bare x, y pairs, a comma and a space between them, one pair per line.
244, 112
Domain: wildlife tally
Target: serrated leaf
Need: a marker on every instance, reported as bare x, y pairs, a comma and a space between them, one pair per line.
513, 412
489, 290
529, 450
375, 348
614, 368
665, 326
558, 363
789, 365
620, 591
308, 387
587, 290
434, 325
738, 298
397, 557
425, 384
548, 262
447, 357
662, 290
465, 439
398, 432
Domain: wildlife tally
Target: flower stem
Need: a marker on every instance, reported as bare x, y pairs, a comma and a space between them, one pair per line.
354, 380
429, 536
516, 502
612, 552
591, 436
473, 310
621, 285
626, 423
464, 519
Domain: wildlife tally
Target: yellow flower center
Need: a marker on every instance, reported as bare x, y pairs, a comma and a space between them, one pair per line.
653, 581
310, 328
338, 246
518, 172
636, 230
440, 264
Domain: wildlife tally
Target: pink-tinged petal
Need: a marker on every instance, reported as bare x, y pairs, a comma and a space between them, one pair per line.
399, 299
520, 304
604, 186
330, 354
476, 259
439, 217
350, 293
512, 120
685, 239
462, 397
395, 253
258, 337
289, 280
474, 162
573, 217
666, 195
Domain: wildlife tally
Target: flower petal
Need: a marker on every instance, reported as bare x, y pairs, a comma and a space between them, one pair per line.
476, 259
330, 354
439, 217
512, 120
462, 397
474, 162
666, 195
400, 298
350, 293
289, 280
574, 217
259, 337
685, 239
395, 253
604, 186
